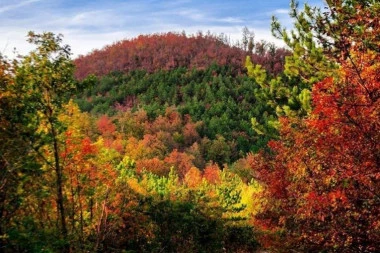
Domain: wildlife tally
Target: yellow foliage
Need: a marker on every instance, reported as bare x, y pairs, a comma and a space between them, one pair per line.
77, 122
193, 177
136, 187
256, 71
250, 197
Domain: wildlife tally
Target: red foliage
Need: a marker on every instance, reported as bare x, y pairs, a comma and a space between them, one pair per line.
323, 175
270, 57
171, 122
181, 161
169, 51
153, 165
118, 144
190, 133
212, 173
105, 126
87, 147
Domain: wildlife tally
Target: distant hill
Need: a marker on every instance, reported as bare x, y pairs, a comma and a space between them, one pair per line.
172, 50
200, 77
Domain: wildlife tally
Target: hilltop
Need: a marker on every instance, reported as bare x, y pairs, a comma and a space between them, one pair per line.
168, 51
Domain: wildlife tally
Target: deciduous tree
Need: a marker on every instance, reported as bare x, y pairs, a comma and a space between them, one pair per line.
324, 172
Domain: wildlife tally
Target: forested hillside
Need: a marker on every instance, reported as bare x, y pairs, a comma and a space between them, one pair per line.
179, 143
221, 103
214, 92
170, 51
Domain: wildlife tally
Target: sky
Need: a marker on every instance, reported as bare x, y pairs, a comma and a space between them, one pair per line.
92, 24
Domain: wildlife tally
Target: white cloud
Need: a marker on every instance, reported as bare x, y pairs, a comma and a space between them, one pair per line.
97, 19
231, 20
89, 27
16, 6
281, 11
192, 14
14, 39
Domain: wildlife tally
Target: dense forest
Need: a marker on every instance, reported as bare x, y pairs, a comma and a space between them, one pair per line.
170, 51
186, 143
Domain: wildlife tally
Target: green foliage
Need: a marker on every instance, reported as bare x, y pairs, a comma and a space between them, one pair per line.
184, 227
29, 237
289, 94
206, 218
283, 96
223, 101
40, 83
308, 60
256, 72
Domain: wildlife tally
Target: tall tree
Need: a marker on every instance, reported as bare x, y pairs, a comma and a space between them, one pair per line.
13, 150
44, 81
324, 171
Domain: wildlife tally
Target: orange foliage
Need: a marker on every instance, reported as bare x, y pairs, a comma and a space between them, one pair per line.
136, 149
118, 144
105, 126
153, 165
193, 177
190, 133
212, 173
181, 161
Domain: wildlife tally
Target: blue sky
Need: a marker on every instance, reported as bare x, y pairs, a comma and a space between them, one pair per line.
88, 25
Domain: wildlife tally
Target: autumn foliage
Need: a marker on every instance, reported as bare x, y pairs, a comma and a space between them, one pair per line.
170, 51
322, 176
181, 149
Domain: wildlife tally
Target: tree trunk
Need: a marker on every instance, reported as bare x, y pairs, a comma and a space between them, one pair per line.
59, 183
